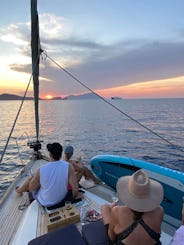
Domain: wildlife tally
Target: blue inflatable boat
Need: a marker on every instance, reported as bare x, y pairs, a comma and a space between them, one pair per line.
109, 168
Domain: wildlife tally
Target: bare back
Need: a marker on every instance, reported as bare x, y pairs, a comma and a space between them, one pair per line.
122, 217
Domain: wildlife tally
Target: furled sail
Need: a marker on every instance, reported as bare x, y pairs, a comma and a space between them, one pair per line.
36, 51
35, 47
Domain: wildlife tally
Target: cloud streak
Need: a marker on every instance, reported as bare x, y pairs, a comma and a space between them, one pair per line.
106, 67
98, 65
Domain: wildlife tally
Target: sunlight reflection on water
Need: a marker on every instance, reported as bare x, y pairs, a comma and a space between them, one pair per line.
93, 128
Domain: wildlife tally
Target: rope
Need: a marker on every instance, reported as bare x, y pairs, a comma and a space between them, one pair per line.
19, 110
16, 118
115, 107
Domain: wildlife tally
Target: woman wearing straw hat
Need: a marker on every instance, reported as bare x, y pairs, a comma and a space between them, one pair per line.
139, 220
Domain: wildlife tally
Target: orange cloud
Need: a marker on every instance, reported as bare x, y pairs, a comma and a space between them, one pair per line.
166, 88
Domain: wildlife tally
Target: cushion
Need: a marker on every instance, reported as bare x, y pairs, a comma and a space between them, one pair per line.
95, 233
63, 236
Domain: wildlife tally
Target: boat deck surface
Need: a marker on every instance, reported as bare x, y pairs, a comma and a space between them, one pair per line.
13, 207
13, 210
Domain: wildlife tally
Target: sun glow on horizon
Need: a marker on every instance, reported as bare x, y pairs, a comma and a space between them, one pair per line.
48, 97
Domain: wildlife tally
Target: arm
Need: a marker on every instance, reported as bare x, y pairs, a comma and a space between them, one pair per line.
106, 212
73, 180
76, 164
112, 223
34, 183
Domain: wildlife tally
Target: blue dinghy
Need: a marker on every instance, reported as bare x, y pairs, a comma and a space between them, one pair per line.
109, 168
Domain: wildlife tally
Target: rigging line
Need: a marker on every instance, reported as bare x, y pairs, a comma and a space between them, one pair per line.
23, 99
22, 102
115, 107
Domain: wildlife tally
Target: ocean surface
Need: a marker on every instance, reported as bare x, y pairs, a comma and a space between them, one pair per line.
94, 127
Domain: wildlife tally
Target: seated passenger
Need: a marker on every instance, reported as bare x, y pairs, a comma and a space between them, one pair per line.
80, 169
50, 184
139, 220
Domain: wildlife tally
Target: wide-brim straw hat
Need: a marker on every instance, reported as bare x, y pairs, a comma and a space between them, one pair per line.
139, 192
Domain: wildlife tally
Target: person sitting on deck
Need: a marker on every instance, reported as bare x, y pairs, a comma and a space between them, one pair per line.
80, 169
50, 184
139, 220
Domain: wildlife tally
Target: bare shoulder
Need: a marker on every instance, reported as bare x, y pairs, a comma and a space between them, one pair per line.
121, 210
73, 162
123, 216
158, 210
71, 168
121, 207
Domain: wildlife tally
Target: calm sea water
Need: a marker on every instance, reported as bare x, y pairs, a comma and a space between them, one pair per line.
93, 128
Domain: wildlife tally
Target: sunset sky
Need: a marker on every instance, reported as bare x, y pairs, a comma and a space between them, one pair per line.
126, 48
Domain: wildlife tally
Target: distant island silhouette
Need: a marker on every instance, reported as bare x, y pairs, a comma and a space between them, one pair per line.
70, 97
13, 97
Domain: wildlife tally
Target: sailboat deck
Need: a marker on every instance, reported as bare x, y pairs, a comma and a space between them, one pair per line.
87, 203
13, 211
9, 220
13, 207
10, 217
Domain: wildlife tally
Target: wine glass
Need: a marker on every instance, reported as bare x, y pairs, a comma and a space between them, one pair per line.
115, 199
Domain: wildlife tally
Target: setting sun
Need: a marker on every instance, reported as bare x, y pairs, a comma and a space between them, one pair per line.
48, 97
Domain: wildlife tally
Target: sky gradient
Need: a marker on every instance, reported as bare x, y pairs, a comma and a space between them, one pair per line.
126, 48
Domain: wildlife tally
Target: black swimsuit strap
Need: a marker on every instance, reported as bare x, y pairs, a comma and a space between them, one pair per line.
127, 232
154, 235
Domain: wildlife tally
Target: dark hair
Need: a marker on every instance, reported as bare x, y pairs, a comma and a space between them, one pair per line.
56, 150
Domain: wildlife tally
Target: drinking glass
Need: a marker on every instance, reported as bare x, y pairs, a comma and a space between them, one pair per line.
68, 205
83, 215
115, 199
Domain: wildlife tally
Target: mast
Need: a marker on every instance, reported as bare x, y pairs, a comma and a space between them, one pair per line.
35, 49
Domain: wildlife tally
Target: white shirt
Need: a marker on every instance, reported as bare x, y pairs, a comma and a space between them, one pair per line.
54, 182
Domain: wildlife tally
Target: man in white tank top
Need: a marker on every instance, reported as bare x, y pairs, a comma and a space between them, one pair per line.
50, 184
